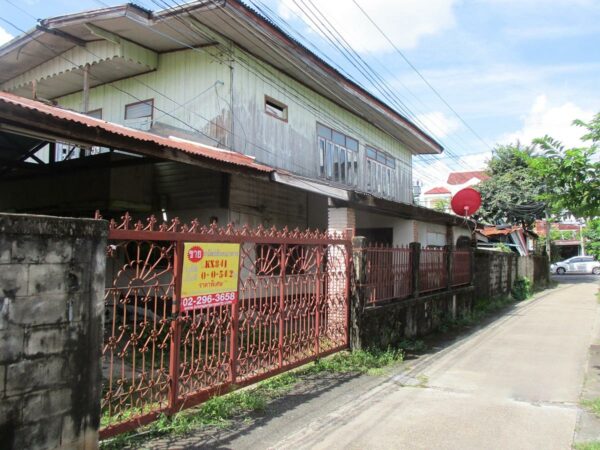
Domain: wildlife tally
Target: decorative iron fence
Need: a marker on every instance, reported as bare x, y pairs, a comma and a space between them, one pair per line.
388, 273
291, 307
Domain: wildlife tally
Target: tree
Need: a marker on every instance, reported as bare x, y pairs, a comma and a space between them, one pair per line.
591, 233
442, 205
570, 177
510, 195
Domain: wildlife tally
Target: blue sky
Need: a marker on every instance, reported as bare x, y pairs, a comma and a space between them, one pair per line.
512, 69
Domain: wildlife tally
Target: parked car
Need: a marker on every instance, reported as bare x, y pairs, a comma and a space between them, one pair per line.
576, 264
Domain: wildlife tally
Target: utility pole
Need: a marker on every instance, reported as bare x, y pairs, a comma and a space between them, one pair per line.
548, 247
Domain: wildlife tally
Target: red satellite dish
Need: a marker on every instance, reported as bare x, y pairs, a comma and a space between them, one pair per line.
466, 202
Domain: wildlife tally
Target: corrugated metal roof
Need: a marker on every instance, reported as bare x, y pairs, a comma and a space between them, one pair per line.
193, 148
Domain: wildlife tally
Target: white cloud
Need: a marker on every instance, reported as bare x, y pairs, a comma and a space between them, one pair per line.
439, 123
5, 36
553, 120
433, 173
405, 22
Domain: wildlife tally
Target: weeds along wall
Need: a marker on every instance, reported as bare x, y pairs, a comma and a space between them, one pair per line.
496, 273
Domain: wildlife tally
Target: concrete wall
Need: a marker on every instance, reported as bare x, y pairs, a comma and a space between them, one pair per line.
386, 325
51, 311
496, 272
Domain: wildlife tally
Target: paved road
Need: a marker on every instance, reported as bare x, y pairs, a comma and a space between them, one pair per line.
514, 384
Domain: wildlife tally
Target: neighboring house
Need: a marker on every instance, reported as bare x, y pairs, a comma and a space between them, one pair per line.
518, 239
566, 238
455, 182
437, 196
217, 74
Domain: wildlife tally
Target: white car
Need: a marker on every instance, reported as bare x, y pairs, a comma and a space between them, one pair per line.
576, 264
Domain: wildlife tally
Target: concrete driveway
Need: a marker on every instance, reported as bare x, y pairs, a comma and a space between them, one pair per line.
513, 385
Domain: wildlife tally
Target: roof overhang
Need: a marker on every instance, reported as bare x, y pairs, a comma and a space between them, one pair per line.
46, 122
231, 20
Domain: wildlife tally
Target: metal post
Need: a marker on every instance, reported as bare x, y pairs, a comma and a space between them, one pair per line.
235, 326
415, 256
449, 249
175, 330
318, 300
282, 264
85, 106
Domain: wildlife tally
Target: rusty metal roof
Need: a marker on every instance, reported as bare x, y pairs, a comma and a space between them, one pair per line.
8, 100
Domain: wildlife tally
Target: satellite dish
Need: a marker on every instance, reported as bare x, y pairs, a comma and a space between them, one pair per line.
466, 202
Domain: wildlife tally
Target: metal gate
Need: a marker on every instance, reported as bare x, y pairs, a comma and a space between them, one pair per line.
292, 307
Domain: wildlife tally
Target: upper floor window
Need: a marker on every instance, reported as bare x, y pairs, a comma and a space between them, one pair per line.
139, 110
95, 113
381, 172
338, 156
276, 109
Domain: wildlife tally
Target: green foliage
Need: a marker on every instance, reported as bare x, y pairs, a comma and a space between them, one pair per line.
527, 179
522, 289
556, 235
570, 178
511, 183
590, 445
503, 247
591, 233
442, 205
359, 361
593, 405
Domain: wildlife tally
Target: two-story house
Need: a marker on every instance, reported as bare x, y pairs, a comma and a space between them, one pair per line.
220, 74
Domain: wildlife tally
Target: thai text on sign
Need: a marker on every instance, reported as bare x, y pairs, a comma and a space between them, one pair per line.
210, 274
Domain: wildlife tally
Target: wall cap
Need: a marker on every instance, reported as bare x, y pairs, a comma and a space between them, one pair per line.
39, 225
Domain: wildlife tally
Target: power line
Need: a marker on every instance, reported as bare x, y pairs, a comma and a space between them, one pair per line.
420, 75
355, 59
121, 90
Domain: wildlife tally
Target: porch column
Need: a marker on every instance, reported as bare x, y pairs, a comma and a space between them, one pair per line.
339, 220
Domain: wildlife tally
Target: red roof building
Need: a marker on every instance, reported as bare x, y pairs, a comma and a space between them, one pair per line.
437, 190
455, 178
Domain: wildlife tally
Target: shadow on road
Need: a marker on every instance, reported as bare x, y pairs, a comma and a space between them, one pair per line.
575, 278
212, 437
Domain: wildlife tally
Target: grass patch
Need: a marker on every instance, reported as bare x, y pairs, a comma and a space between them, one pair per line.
358, 361
593, 405
481, 310
591, 445
220, 410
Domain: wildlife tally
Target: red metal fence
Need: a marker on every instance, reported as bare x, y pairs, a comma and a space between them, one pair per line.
461, 267
433, 271
388, 273
292, 307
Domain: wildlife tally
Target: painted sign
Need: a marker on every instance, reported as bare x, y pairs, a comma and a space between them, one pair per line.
210, 274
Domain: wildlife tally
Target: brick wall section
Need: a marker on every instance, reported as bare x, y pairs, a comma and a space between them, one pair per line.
51, 310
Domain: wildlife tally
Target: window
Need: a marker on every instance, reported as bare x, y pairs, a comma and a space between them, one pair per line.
276, 109
381, 172
338, 156
139, 110
95, 113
